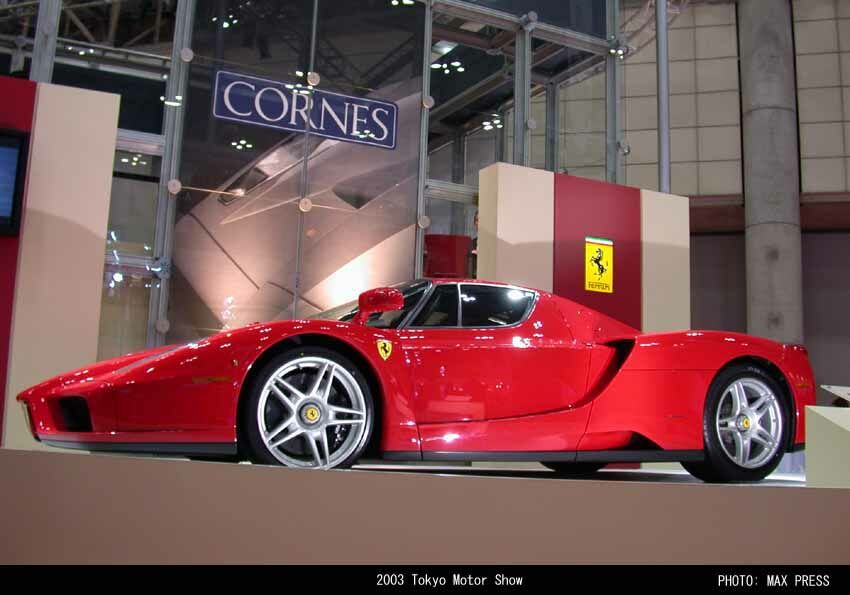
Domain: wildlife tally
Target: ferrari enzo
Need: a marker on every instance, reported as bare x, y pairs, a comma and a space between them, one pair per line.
444, 370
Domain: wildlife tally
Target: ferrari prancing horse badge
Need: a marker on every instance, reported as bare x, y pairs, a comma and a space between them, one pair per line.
385, 349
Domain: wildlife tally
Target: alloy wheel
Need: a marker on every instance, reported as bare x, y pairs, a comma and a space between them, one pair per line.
749, 422
312, 413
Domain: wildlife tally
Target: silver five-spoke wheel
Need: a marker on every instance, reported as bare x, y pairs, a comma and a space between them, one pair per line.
312, 412
749, 422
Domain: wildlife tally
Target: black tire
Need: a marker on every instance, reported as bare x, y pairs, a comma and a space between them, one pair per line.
573, 469
250, 432
718, 466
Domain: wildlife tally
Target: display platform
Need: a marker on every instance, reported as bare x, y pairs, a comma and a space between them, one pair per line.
64, 508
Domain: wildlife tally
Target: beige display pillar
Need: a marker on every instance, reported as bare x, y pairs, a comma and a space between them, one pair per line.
515, 232
827, 447
56, 311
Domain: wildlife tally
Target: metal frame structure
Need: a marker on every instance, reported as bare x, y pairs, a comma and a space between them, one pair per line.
522, 90
427, 104
612, 94
663, 96
166, 207
44, 44
553, 125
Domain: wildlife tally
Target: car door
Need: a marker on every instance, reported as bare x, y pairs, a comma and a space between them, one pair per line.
485, 352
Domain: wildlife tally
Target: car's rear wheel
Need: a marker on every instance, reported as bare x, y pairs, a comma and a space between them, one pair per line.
309, 408
573, 469
745, 426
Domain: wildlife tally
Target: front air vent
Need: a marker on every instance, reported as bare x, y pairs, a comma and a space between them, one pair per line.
75, 414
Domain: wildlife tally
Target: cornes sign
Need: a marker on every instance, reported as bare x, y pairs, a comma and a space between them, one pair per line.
252, 100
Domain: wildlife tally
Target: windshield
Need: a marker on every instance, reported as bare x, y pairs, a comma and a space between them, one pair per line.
412, 292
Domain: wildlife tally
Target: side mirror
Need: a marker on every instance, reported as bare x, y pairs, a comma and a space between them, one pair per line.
382, 299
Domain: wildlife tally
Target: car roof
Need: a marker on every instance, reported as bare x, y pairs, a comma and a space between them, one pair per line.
446, 280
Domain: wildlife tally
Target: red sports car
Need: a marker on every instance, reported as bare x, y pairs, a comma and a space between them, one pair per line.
445, 370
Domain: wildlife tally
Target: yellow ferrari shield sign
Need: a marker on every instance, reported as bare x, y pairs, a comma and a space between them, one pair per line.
598, 265
385, 349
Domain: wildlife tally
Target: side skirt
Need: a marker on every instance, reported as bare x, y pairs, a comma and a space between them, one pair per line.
163, 448
589, 456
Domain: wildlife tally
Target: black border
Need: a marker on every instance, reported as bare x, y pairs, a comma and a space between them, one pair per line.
12, 225
569, 456
166, 448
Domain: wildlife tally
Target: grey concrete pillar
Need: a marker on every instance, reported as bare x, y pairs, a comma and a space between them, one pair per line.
771, 170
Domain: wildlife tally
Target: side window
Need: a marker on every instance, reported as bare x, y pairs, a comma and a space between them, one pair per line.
441, 308
490, 306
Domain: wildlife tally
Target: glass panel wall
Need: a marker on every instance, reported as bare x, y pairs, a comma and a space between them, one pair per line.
246, 242
17, 29
472, 85
236, 228
132, 209
129, 271
361, 230
123, 310
122, 48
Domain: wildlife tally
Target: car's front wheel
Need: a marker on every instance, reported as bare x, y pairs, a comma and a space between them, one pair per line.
745, 427
310, 408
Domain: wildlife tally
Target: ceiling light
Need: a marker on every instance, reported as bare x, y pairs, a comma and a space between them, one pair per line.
498, 126
172, 103
214, 19
407, 2
455, 63
299, 73
486, 123
436, 66
117, 277
461, 69
234, 143
249, 146
447, 71
125, 160
394, 2
162, 97
225, 24
488, 127
178, 97
239, 147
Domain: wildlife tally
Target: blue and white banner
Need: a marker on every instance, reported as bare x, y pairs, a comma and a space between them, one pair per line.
275, 104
